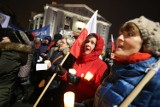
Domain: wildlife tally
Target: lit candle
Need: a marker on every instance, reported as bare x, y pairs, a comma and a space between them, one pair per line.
69, 98
88, 76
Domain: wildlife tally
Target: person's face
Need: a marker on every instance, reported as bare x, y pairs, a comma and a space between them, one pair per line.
90, 45
58, 42
46, 41
128, 43
63, 44
5, 40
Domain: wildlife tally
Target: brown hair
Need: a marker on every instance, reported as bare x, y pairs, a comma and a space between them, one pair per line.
91, 35
129, 27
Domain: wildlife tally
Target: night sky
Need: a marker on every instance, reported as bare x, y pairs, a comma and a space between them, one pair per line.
115, 11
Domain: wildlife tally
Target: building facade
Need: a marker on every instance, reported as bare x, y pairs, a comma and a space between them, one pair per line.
69, 17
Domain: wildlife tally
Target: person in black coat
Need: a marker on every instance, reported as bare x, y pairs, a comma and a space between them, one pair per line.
13, 54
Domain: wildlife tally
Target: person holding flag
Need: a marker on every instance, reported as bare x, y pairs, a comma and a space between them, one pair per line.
134, 80
112, 43
88, 67
112, 46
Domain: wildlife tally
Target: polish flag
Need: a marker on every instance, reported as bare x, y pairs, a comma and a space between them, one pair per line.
91, 27
112, 44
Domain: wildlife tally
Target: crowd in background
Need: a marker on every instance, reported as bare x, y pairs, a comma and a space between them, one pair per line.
30, 82
98, 81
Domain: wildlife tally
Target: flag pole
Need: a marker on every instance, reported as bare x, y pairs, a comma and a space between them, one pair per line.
46, 87
112, 44
141, 84
91, 28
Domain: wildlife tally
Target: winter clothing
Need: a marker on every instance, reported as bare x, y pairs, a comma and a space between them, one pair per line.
25, 70
88, 63
150, 31
123, 80
48, 38
53, 43
12, 56
24, 77
57, 37
44, 46
128, 70
54, 93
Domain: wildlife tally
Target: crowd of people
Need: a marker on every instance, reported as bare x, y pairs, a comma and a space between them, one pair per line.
96, 82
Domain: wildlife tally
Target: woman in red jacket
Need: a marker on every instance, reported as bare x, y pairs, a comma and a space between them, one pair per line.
87, 63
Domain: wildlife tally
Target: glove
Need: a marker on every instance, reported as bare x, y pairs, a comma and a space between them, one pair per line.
60, 70
85, 103
73, 79
79, 104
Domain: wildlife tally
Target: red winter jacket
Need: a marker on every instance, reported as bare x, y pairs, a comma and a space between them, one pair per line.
88, 63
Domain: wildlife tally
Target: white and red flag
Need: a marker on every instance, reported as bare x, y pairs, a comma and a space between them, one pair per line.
112, 43
91, 27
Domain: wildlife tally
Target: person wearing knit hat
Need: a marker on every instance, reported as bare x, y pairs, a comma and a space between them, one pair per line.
150, 31
137, 51
13, 54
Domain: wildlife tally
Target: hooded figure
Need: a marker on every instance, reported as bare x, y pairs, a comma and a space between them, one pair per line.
13, 54
88, 64
138, 49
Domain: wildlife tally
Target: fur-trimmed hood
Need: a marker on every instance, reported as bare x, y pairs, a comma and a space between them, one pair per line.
15, 47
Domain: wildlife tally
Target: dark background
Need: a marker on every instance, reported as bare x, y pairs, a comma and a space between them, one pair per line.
115, 11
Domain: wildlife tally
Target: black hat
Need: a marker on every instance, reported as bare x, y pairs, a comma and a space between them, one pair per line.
57, 37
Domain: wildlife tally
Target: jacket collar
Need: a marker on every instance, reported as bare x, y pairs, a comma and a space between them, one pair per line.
15, 47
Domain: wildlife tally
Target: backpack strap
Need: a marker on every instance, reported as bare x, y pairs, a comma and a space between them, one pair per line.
57, 59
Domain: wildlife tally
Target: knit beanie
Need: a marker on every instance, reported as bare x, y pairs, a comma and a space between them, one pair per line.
150, 31
57, 37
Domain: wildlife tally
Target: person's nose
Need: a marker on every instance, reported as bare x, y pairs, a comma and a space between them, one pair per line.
121, 37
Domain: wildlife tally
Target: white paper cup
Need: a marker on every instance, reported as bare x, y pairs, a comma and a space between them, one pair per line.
72, 71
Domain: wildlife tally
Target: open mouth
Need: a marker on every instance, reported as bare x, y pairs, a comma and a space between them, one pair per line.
87, 48
120, 46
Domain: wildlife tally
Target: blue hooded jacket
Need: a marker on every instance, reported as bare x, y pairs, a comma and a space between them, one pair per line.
123, 80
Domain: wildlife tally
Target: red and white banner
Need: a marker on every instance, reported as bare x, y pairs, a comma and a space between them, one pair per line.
112, 44
91, 27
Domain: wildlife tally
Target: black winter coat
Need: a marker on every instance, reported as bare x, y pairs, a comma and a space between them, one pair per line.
12, 56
